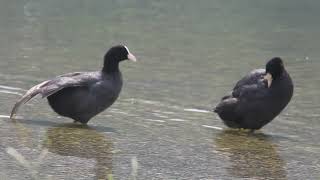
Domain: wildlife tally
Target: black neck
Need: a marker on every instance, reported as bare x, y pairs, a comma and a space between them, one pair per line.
110, 66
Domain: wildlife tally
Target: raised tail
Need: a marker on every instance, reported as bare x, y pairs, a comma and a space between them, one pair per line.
26, 97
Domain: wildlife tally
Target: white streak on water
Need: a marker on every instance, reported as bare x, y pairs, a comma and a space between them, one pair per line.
212, 127
156, 120
178, 120
7, 117
148, 101
11, 88
4, 116
196, 110
159, 115
119, 112
168, 112
10, 92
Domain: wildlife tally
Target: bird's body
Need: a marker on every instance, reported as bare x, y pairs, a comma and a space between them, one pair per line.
89, 98
82, 95
252, 104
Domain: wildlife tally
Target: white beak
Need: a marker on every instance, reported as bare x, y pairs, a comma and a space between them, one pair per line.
132, 57
269, 79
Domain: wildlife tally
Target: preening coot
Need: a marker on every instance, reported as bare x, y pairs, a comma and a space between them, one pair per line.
257, 98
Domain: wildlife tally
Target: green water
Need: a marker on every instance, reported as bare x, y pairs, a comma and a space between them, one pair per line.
190, 53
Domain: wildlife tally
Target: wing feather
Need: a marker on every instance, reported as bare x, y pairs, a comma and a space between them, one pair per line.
50, 87
249, 84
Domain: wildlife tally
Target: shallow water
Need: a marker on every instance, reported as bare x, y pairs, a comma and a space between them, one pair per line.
190, 54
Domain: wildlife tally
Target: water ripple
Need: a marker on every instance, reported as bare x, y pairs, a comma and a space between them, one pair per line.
212, 127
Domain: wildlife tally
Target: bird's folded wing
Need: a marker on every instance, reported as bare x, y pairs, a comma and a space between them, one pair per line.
250, 92
250, 83
251, 78
50, 87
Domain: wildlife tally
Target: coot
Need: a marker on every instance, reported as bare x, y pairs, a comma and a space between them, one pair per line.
257, 98
82, 95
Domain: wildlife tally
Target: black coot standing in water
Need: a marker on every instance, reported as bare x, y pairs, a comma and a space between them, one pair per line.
257, 98
82, 95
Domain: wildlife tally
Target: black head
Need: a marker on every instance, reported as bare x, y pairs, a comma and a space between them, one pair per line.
115, 55
275, 67
119, 53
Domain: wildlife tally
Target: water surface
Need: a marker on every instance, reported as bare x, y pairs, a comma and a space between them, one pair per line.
190, 54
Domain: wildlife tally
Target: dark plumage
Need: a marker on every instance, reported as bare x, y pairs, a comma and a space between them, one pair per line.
257, 98
82, 95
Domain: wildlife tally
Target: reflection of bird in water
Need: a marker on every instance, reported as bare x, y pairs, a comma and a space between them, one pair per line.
251, 155
22, 135
83, 142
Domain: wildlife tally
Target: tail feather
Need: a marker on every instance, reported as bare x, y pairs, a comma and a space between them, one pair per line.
226, 110
226, 107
